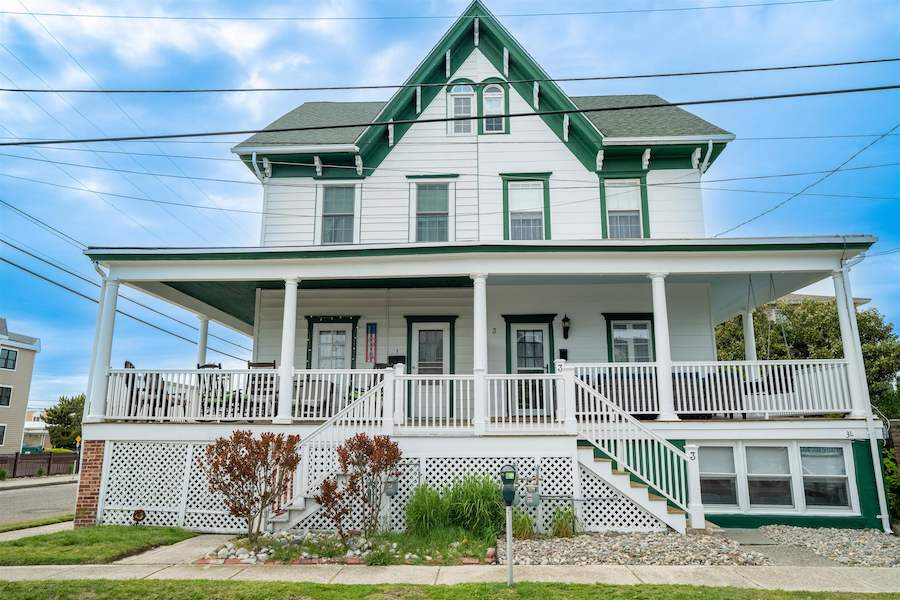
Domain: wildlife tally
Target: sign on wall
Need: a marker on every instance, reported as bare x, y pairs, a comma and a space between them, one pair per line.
371, 342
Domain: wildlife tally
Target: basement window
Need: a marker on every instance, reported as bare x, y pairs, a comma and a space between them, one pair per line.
824, 477
718, 477
769, 476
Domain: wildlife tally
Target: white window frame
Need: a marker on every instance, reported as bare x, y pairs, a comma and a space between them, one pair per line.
638, 208
451, 208
17, 351
473, 96
612, 340
3, 430
11, 392
793, 466
737, 477
501, 94
320, 207
509, 187
640, 225
800, 507
317, 329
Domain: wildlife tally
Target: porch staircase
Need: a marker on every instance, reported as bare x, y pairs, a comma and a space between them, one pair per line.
635, 461
318, 455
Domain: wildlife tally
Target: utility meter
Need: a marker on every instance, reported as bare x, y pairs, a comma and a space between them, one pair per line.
508, 482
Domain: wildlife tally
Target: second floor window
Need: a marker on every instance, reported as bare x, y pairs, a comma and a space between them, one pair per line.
526, 210
462, 104
493, 105
623, 208
624, 224
8, 358
337, 214
5, 395
432, 212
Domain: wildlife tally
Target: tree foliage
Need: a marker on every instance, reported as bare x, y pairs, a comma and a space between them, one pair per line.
253, 474
810, 329
63, 420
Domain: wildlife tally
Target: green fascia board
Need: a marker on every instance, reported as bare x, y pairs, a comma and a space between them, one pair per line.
434, 176
109, 255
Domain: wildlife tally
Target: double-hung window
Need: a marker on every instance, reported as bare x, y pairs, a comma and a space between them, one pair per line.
632, 340
432, 212
623, 208
461, 104
769, 476
337, 214
824, 477
718, 476
493, 104
526, 210
8, 358
5, 395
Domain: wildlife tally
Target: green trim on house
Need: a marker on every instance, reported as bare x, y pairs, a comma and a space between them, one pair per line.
544, 178
636, 316
542, 319
412, 320
312, 320
645, 204
434, 176
480, 92
868, 503
109, 254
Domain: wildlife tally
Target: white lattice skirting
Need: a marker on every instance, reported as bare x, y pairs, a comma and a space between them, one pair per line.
166, 481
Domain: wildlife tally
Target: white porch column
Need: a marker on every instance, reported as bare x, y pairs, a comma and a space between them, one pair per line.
749, 335
202, 340
662, 349
288, 337
695, 503
96, 340
856, 373
99, 376
479, 350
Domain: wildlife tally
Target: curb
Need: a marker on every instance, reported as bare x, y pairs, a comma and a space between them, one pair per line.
24, 486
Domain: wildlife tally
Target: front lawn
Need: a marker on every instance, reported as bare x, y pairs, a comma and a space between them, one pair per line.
88, 545
240, 590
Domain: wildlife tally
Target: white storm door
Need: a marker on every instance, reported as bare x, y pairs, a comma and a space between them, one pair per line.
530, 354
430, 398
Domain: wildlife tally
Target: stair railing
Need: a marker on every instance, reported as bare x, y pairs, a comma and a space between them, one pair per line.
634, 447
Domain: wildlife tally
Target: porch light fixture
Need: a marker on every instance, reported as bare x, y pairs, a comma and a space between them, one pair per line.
566, 323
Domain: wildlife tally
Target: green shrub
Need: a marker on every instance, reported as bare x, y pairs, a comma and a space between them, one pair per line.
426, 510
564, 523
892, 484
2, 474
474, 503
40, 472
522, 525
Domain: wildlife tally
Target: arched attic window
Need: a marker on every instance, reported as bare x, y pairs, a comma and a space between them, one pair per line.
493, 108
461, 103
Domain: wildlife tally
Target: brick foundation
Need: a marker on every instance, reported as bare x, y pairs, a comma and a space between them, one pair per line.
89, 483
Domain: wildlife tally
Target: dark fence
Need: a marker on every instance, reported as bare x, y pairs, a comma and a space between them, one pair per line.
47, 463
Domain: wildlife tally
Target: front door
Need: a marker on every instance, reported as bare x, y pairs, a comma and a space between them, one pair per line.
332, 345
429, 401
531, 355
431, 348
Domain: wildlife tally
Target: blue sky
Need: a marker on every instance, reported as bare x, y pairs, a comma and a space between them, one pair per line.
328, 52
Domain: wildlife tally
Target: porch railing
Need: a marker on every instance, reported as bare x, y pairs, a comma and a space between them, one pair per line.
192, 394
435, 401
761, 388
321, 393
523, 401
630, 386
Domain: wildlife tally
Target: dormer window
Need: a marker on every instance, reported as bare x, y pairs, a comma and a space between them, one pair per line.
493, 109
461, 104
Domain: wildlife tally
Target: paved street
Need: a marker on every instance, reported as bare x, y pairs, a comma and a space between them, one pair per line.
36, 502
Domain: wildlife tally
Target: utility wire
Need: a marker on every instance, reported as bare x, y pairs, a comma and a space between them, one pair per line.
623, 11
77, 275
121, 312
810, 185
57, 232
388, 86
566, 111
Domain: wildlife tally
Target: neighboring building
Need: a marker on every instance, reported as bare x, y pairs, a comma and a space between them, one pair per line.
36, 435
17, 354
536, 289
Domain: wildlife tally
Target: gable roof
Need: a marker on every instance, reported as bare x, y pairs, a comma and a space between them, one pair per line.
314, 114
665, 121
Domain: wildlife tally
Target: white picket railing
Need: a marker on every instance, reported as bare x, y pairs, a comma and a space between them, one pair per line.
192, 394
637, 449
630, 386
523, 401
782, 387
321, 393
435, 401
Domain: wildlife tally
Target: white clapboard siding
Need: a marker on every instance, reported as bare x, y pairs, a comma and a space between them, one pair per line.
477, 202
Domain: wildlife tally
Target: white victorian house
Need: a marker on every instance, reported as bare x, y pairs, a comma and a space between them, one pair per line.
516, 284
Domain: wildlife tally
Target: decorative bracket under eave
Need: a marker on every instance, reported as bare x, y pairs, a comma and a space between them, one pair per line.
645, 159
695, 158
359, 164
447, 64
506, 62
390, 129
418, 99
600, 159
536, 95
317, 162
267, 167
566, 128
475, 31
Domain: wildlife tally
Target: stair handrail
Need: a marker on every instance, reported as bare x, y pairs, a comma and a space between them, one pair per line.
331, 421
668, 478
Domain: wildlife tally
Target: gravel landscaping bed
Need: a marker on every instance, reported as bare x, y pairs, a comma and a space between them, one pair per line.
858, 547
662, 548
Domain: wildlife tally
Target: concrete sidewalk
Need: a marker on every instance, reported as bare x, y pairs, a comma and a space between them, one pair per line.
21, 483
824, 579
18, 534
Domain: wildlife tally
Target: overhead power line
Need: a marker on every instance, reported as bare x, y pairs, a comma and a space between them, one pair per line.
809, 186
574, 78
566, 111
57, 232
121, 312
621, 11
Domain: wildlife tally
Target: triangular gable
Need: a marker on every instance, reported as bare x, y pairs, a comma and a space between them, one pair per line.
509, 58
